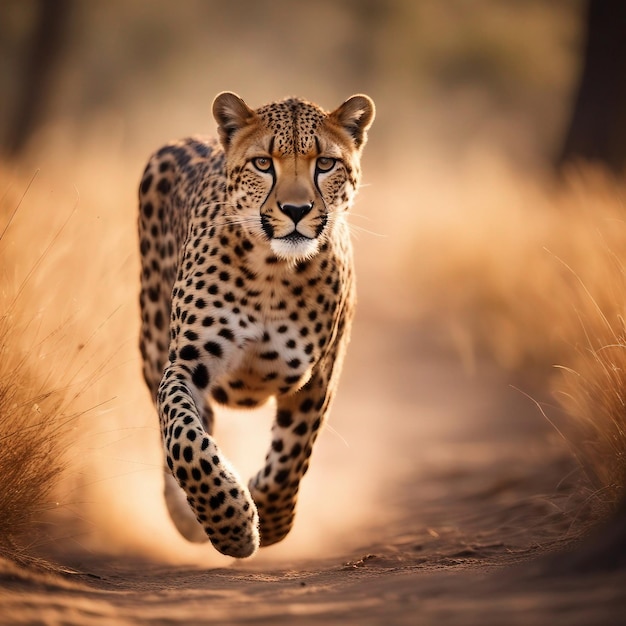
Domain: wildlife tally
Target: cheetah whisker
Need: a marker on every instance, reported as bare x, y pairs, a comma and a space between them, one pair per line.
357, 230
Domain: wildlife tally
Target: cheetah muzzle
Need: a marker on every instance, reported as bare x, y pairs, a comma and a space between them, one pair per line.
247, 293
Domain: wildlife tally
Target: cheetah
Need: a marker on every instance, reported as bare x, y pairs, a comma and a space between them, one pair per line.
247, 293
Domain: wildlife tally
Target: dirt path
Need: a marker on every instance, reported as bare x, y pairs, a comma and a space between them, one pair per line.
448, 497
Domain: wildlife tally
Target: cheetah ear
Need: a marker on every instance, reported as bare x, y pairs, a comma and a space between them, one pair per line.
356, 115
231, 113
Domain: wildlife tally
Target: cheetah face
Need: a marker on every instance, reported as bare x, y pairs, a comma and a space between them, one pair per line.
292, 169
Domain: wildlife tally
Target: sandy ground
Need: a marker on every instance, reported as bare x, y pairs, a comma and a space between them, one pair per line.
459, 502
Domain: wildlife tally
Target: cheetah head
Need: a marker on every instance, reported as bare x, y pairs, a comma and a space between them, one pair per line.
292, 169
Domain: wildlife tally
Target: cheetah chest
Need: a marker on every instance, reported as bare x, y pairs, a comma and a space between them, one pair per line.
275, 364
261, 327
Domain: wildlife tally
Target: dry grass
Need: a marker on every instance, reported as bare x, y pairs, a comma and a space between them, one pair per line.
537, 281
31, 457
33, 423
51, 353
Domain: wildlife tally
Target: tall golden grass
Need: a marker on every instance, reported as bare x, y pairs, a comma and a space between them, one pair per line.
33, 425
536, 280
33, 439
56, 303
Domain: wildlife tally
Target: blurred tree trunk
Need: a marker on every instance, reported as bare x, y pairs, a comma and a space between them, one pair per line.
597, 130
44, 51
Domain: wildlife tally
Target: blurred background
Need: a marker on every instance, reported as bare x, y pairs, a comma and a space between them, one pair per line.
449, 73
524, 85
453, 72
462, 88
500, 133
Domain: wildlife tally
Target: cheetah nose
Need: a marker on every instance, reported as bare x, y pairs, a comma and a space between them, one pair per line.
295, 211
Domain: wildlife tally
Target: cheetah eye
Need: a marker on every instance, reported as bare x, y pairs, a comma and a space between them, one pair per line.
263, 164
325, 164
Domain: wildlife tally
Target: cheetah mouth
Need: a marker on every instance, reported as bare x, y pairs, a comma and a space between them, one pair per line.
295, 237
295, 246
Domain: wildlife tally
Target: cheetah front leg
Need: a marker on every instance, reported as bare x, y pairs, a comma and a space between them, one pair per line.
178, 507
275, 488
221, 503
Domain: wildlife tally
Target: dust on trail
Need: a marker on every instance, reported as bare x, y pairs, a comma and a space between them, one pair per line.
438, 497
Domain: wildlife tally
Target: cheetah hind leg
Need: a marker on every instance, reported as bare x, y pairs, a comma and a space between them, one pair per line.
180, 512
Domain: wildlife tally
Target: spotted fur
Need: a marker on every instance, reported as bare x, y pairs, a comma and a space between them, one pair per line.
247, 292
